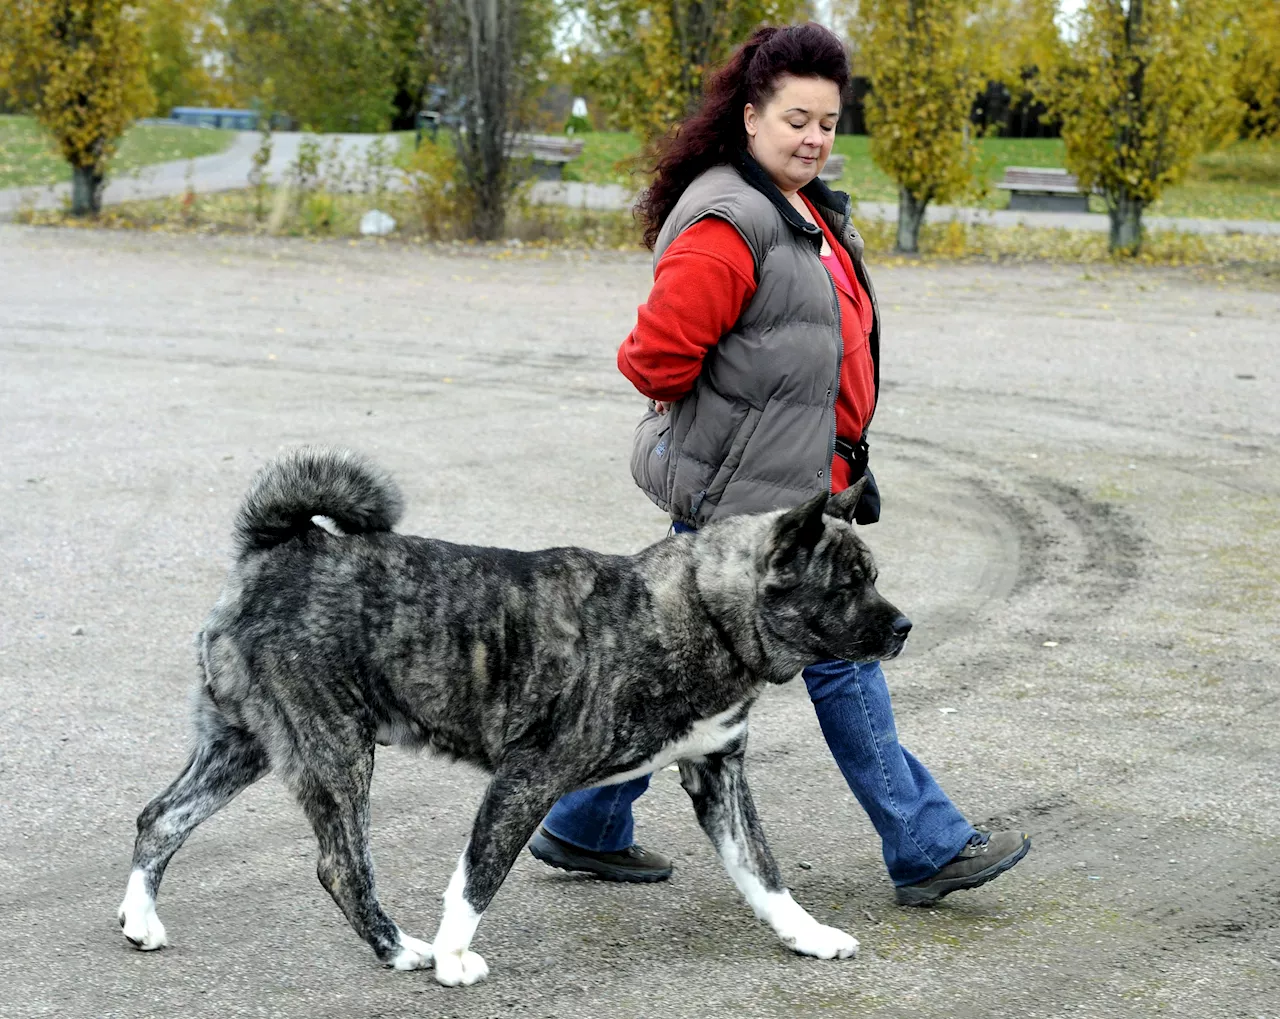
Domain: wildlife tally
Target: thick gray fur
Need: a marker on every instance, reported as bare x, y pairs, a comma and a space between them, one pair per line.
552, 670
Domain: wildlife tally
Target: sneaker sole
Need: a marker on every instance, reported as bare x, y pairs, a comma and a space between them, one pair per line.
908, 896
604, 871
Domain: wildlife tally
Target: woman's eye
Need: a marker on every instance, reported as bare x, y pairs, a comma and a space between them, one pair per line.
798, 127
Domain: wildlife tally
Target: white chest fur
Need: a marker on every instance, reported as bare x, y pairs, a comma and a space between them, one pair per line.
707, 736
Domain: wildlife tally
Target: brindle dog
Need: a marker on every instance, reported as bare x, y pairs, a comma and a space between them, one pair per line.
552, 670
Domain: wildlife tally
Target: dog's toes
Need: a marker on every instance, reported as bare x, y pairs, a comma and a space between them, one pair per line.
848, 947
454, 969
413, 954
823, 942
137, 916
143, 929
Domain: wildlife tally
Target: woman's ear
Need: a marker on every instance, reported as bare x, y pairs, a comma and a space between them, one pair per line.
749, 117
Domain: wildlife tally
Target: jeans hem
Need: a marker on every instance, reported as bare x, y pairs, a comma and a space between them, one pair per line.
902, 883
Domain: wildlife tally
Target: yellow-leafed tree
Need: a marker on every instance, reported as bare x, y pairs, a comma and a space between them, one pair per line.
643, 63
1143, 87
178, 35
923, 82
1257, 83
1010, 40
80, 66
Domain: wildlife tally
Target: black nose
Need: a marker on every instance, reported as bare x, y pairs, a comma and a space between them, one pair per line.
901, 626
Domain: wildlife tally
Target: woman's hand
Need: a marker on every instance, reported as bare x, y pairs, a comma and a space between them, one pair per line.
660, 406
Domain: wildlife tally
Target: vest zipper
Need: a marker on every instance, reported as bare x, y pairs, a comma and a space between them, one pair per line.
835, 388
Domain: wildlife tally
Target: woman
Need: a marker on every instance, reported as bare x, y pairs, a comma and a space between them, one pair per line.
759, 348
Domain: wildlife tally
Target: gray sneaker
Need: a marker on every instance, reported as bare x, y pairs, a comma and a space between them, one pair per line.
634, 864
985, 856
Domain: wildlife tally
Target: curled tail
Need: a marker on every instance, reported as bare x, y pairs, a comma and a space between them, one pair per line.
315, 481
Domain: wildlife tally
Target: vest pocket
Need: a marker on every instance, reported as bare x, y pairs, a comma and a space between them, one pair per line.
706, 426
651, 456
733, 458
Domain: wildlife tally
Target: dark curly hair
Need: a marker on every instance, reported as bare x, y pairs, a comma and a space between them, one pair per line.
714, 132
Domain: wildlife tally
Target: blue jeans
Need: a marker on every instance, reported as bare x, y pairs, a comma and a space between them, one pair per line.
920, 828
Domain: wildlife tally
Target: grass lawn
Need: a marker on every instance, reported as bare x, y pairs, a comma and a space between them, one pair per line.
1241, 181
28, 158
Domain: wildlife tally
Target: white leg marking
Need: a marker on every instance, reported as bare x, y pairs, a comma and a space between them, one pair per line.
413, 954
795, 927
455, 963
137, 915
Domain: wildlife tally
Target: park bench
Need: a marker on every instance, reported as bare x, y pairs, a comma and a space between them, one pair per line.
834, 168
216, 117
548, 153
1036, 188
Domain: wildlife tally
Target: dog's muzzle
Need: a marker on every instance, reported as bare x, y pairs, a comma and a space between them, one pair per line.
901, 627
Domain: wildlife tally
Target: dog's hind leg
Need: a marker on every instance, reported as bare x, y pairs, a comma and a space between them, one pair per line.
516, 800
226, 760
334, 794
722, 800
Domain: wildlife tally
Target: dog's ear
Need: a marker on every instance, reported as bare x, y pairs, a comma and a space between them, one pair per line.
797, 530
843, 504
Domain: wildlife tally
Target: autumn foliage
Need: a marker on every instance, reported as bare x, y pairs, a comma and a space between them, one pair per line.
923, 81
1144, 86
1257, 78
644, 62
81, 68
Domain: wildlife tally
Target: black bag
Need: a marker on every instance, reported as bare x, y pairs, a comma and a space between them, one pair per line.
857, 454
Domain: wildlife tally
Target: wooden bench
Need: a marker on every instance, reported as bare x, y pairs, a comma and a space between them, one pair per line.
1035, 188
548, 153
834, 168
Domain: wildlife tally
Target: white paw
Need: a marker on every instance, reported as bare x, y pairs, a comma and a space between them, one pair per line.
455, 969
822, 942
413, 954
141, 925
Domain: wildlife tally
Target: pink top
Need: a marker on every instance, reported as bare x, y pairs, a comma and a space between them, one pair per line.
837, 272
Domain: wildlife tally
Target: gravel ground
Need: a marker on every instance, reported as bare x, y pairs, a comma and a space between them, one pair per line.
1081, 516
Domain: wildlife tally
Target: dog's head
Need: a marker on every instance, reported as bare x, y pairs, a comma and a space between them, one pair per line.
818, 585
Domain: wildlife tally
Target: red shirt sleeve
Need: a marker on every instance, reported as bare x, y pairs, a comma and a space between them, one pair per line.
701, 284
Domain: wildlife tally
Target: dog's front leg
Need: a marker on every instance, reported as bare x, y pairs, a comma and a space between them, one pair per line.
513, 805
718, 787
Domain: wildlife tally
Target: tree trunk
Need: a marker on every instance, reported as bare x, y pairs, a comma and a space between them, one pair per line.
910, 217
1126, 224
86, 191
489, 215
487, 116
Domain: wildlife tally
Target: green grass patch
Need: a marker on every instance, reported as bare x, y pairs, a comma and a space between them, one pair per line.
1240, 181
29, 158
608, 157
863, 179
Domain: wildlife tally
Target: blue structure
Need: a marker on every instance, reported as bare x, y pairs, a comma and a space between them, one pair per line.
204, 116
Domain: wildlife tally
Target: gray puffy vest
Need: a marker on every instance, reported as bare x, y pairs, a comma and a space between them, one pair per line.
757, 431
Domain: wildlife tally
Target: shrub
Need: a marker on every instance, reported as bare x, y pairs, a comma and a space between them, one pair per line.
439, 196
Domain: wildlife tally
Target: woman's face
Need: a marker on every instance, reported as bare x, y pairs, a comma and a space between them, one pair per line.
791, 136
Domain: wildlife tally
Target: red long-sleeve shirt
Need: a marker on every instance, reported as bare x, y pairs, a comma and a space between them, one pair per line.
701, 286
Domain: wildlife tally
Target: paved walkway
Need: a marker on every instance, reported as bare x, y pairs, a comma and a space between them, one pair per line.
615, 196
226, 171
230, 170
